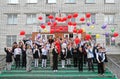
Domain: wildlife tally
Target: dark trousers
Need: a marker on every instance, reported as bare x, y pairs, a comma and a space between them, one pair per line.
75, 59
55, 63
23, 61
17, 61
100, 68
90, 64
85, 58
80, 64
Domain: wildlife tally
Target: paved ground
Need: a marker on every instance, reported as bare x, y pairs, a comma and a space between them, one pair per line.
114, 64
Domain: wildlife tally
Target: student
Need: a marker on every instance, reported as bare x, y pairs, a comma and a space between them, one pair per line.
8, 58
17, 53
36, 55
80, 59
44, 56
100, 59
29, 58
69, 55
63, 57
55, 59
75, 55
90, 57
51, 55
23, 56
106, 60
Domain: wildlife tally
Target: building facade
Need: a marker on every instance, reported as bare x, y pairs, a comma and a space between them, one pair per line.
17, 15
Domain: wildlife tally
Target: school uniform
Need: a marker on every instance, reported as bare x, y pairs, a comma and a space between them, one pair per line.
80, 60
90, 57
85, 54
55, 59
44, 57
17, 53
100, 58
68, 57
75, 56
29, 58
23, 57
8, 59
36, 55
63, 57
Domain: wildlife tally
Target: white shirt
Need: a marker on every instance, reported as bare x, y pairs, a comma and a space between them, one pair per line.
44, 51
100, 54
64, 45
48, 46
17, 51
89, 53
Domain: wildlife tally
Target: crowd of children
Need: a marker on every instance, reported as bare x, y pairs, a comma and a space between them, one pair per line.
55, 50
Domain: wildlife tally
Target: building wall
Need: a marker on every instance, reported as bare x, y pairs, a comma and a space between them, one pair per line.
42, 7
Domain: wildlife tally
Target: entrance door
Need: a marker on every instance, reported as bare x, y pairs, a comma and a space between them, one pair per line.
59, 35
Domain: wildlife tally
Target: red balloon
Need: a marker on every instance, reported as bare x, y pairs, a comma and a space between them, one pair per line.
65, 18
52, 31
75, 30
88, 37
50, 17
62, 20
115, 34
57, 30
54, 24
77, 40
48, 23
88, 15
82, 19
40, 17
59, 19
56, 18
69, 16
70, 23
22, 32
61, 28
43, 26
80, 31
74, 23
75, 15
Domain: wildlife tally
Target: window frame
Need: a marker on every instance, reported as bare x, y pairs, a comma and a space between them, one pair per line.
70, 2
14, 3
89, 2
11, 40
31, 18
12, 18
29, 2
110, 42
47, 1
108, 19
90, 20
109, 2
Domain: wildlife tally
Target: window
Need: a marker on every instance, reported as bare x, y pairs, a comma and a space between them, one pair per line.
109, 19
48, 36
32, 1
49, 20
109, 40
31, 18
51, 1
109, 1
13, 1
92, 18
12, 19
90, 1
28, 35
70, 1
10, 39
